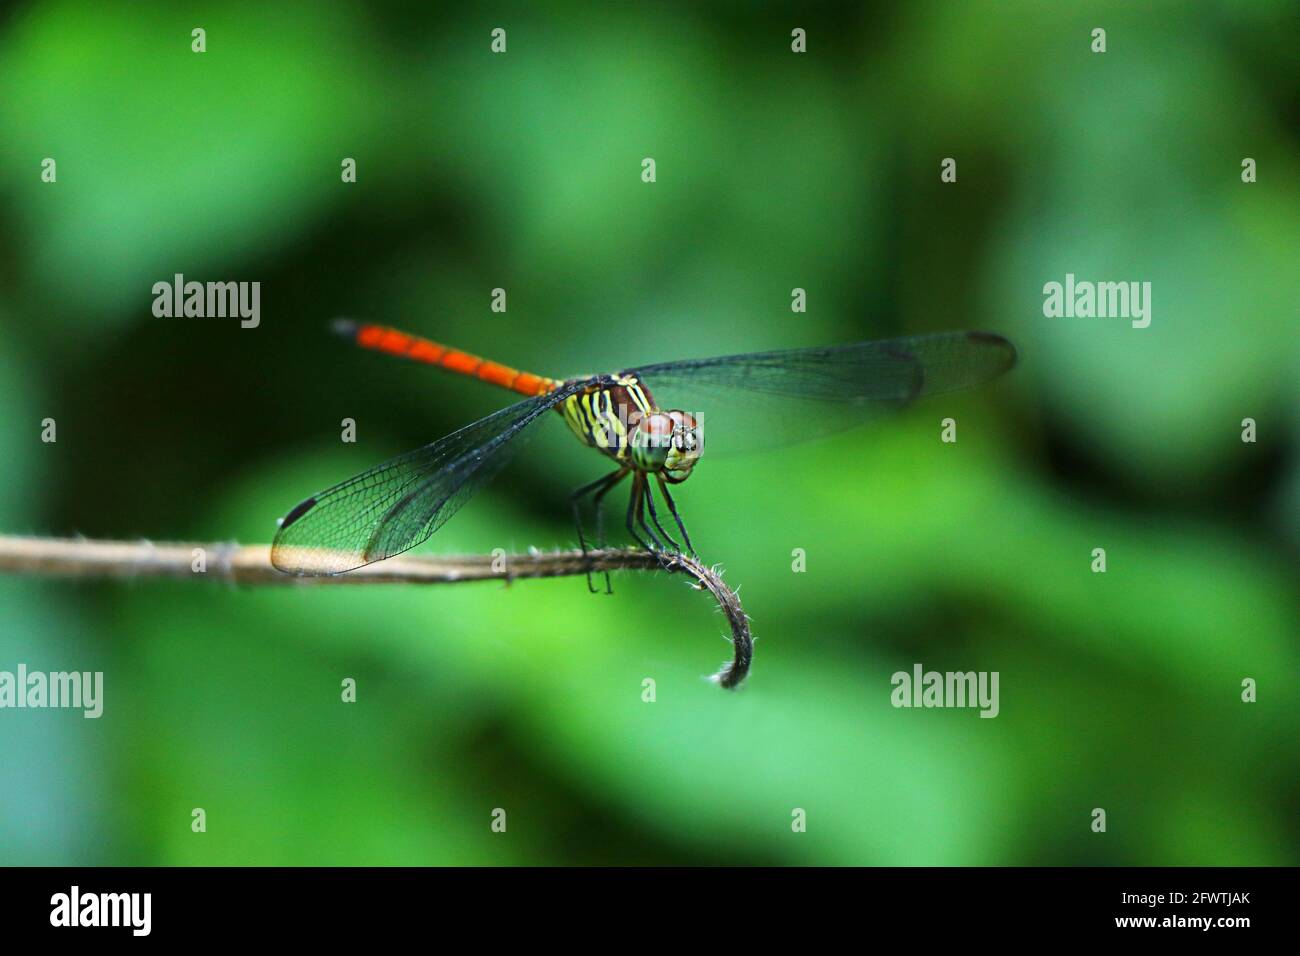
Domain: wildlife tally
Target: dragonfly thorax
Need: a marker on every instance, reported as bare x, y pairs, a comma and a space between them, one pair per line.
618, 416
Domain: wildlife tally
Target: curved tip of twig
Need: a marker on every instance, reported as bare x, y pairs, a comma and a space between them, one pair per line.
734, 671
730, 674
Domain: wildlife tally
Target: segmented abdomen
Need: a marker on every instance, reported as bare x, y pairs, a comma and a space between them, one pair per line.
381, 338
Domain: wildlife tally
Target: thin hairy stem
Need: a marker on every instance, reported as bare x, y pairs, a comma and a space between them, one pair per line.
251, 564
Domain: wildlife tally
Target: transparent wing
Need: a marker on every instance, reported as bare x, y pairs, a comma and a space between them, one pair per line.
395, 506
767, 399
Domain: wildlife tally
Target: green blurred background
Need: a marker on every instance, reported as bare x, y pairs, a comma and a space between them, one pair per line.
775, 171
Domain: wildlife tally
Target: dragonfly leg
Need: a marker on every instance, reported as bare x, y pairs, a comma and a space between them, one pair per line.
599, 486
672, 507
600, 517
640, 491
654, 517
634, 502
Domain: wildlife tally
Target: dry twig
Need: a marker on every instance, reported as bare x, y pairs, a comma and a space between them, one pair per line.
250, 564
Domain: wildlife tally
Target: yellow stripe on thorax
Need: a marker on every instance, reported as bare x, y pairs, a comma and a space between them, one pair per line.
598, 423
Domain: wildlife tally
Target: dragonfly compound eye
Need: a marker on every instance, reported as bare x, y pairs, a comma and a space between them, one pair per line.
687, 445
652, 442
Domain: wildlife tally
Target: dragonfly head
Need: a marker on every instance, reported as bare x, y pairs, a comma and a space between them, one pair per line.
669, 442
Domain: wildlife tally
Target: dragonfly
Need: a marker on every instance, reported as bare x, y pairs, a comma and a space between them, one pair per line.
760, 399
